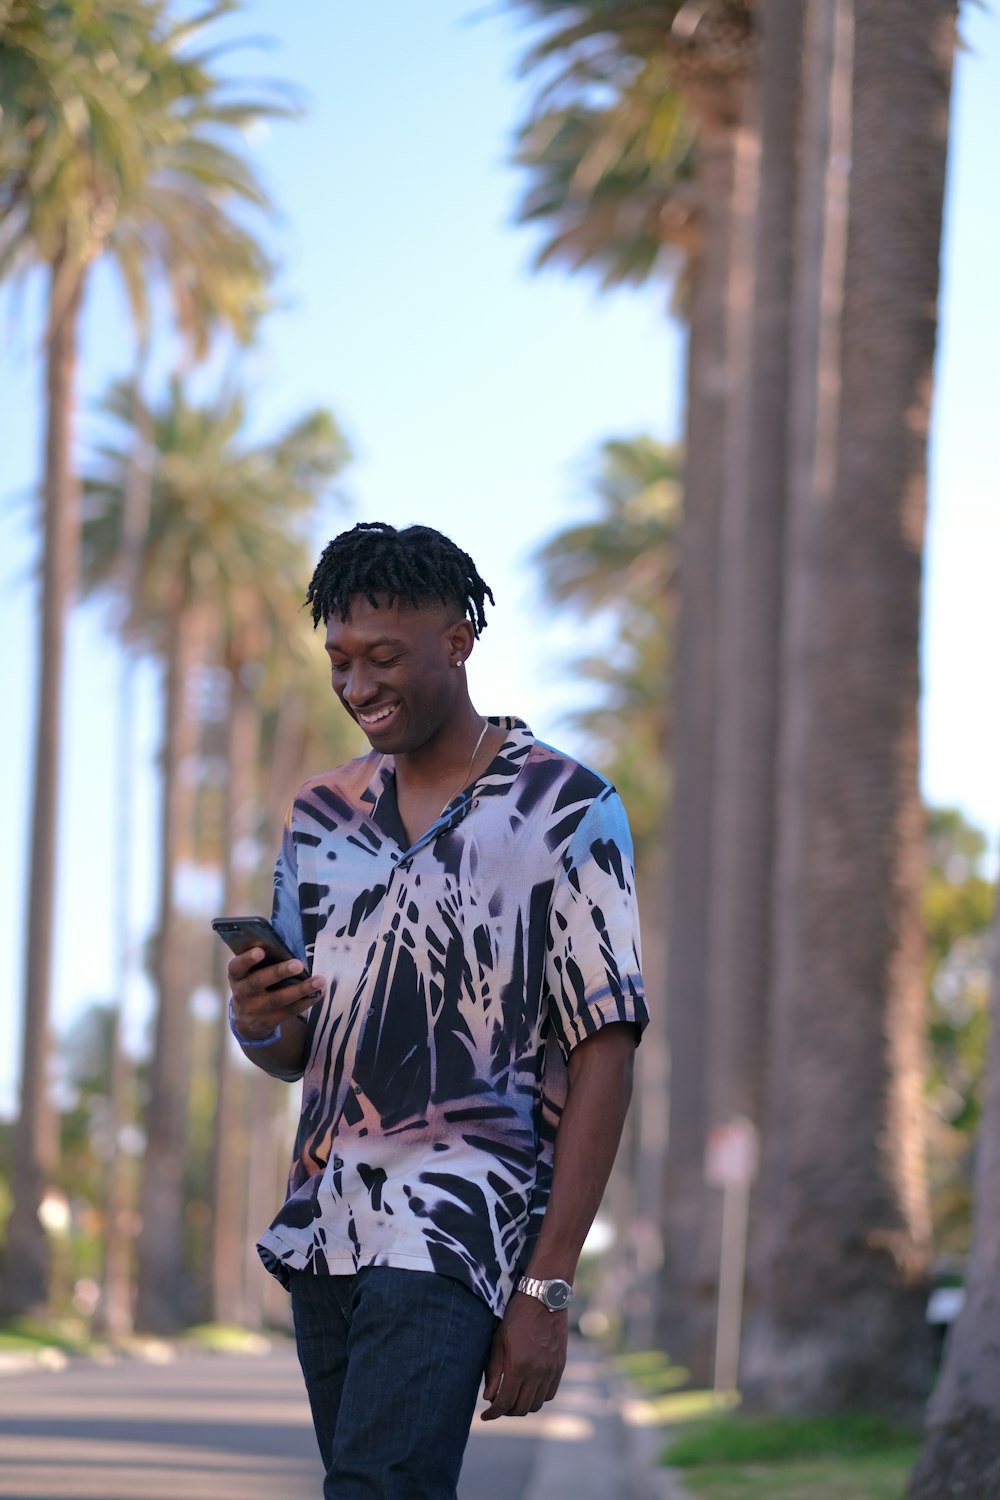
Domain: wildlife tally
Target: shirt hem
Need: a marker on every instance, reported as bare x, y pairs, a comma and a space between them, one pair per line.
279, 1259
609, 1011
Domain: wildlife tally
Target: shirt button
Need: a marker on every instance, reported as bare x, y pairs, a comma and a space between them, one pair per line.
355, 1088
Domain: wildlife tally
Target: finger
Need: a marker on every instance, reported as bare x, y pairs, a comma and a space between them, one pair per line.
276, 975
529, 1399
265, 1009
507, 1402
498, 1409
295, 1002
261, 977
503, 1400
275, 985
240, 966
494, 1370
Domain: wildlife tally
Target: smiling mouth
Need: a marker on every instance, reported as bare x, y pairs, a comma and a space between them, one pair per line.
376, 717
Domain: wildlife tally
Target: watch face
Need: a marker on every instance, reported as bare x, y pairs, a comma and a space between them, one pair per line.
557, 1295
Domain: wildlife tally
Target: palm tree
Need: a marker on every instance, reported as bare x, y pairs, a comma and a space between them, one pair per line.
623, 564
750, 600
224, 558
614, 186
114, 1312
712, 405
750, 596
662, 161
111, 141
298, 731
845, 1201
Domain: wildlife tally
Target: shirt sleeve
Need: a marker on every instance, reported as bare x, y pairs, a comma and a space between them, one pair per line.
593, 965
286, 913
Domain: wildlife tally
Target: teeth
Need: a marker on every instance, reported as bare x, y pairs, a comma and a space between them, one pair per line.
376, 718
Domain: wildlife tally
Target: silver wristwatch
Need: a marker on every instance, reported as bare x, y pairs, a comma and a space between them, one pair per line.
555, 1294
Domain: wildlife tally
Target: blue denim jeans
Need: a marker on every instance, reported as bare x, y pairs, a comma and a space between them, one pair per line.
392, 1361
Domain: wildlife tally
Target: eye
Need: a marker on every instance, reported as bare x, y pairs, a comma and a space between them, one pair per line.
390, 661
339, 667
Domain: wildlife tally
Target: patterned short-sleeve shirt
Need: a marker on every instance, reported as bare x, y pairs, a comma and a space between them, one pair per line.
462, 971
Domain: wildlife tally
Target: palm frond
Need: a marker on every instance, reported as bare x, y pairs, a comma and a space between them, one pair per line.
228, 527
112, 130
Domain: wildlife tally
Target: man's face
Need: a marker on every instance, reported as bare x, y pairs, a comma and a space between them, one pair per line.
393, 669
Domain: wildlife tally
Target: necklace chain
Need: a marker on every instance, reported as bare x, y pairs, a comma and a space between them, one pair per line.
468, 775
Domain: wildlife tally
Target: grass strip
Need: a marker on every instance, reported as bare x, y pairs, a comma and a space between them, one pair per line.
28, 1335
876, 1477
742, 1439
859, 1457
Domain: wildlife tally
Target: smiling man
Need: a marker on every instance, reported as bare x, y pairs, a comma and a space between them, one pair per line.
465, 1013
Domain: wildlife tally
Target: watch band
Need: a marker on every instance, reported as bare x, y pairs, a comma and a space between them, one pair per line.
553, 1293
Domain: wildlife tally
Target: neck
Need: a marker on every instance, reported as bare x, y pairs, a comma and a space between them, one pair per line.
446, 759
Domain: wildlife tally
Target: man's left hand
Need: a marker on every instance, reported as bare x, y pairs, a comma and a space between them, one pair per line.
527, 1359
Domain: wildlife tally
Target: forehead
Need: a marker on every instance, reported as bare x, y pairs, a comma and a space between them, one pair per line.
388, 621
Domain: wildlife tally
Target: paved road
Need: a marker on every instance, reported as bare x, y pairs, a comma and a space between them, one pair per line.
233, 1427
200, 1428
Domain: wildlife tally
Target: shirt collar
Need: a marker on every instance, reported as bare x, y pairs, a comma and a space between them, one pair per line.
497, 779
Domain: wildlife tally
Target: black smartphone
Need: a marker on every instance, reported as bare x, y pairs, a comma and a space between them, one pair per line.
241, 933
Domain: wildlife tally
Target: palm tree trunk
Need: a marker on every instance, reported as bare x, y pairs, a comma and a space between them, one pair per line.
285, 763
160, 1303
816, 315
271, 1132
113, 1318
114, 1314
842, 1322
750, 613
739, 960
684, 1308
230, 1163
27, 1261
270, 1129
724, 1065
649, 1112
961, 1455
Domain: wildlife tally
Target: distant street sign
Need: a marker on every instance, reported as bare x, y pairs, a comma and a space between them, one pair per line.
731, 1154
731, 1164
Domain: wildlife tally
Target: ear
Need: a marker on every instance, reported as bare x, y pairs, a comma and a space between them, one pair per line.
460, 639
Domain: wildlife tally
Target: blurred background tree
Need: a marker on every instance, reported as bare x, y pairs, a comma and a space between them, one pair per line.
116, 138
958, 913
623, 565
794, 766
653, 97
219, 580
619, 569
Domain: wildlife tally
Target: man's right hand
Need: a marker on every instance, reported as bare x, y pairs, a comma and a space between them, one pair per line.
258, 1010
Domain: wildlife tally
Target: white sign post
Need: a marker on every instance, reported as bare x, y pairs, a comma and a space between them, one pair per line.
731, 1163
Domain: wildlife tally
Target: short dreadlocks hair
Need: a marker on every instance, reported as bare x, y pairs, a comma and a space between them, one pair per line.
417, 564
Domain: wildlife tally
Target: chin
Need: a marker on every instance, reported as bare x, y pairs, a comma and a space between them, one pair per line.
393, 742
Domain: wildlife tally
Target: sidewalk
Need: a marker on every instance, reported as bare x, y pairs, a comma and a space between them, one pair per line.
599, 1441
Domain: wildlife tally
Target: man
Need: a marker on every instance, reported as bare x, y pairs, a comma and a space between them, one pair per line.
466, 1005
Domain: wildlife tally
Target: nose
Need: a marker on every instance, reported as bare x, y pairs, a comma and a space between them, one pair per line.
358, 688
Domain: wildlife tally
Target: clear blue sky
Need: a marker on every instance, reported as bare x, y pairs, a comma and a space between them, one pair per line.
474, 394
